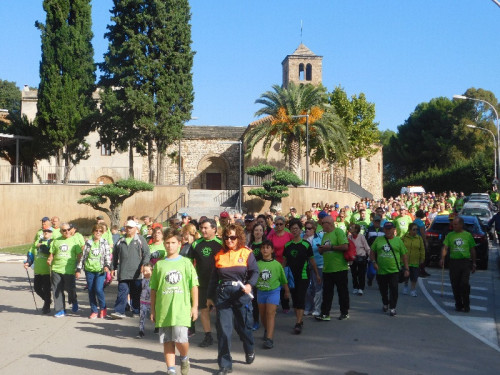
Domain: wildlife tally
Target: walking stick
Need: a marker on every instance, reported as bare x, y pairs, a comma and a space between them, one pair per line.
31, 287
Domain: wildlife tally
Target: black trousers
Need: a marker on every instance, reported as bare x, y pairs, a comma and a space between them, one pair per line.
42, 287
358, 272
388, 287
459, 278
330, 280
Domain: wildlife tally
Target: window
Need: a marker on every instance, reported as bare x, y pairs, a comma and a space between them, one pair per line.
309, 72
301, 72
105, 149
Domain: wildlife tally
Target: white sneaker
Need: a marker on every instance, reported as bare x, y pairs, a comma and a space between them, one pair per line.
355, 291
405, 290
413, 293
360, 292
316, 313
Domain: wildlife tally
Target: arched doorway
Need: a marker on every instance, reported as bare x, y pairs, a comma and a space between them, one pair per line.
212, 172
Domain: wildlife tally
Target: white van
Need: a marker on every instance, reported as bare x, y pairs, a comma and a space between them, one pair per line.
412, 190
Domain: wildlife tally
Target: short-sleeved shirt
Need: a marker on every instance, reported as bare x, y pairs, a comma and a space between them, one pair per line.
93, 261
385, 258
40, 256
459, 244
65, 251
279, 243
271, 275
255, 246
364, 224
173, 279
297, 254
202, 252
334, 261
402, 223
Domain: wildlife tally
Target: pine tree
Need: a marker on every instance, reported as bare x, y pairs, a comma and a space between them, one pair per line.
147, 80
67, 80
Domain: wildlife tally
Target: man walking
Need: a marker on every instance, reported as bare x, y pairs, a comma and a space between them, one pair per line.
462, 248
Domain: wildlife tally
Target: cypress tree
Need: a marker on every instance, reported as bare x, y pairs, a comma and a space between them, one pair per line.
67, 80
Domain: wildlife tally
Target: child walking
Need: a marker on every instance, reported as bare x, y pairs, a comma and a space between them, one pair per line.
174, 301
271, 279
145, 309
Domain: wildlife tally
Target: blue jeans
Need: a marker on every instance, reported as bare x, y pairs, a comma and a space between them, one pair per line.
134, 287
314, 294
95, 284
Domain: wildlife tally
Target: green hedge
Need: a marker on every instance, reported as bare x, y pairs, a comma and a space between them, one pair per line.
473, 175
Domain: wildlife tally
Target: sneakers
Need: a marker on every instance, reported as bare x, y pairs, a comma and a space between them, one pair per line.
250, 357
315, 314
325, 318
268, 343
355, 291
392, 312
60, 314
103, 313
360, 292
298, 328
74, 308
185, 367
140, 335
46, 308
207, 340
255, 327
171, 372
224, 371
93, 316
405, 290
307, 313
413, 293
117, 315
385, 308
344, 316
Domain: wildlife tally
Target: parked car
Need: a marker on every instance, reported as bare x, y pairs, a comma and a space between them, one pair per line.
412, 190
487, 202
442, 225
483, 213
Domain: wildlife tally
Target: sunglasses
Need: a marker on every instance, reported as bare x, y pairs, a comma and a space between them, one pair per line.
309, 228
65, 230
232, 238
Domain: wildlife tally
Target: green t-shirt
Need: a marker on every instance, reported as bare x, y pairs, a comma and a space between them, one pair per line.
334, 261
93, 261
341, 225
40, 255
385, 258
459, 244
402, 223
159, 250
65, 252
364, 224
173, 280
79, 238
271, 275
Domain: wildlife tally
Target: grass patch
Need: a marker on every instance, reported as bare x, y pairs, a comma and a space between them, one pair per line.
18, 249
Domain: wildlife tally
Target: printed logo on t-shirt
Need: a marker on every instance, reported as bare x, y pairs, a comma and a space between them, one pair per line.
206, 251
294, 253
173, 277
386, 248
459, 242
402, 223
63, 247
95, 251
266, 275
240, 260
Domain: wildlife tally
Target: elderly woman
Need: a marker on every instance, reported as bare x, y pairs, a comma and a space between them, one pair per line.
233, 277
96, 261
156, 246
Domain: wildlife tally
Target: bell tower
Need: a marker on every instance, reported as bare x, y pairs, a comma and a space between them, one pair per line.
302, 66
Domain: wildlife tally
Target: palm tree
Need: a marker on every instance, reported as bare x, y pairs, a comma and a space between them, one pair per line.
326, 133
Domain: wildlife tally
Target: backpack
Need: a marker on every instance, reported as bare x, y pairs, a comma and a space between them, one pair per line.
350, 254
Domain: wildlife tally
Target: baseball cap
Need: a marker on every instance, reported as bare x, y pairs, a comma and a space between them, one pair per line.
249, 218
377, 218
293, 209
388, 225
322, 215
131, 224
184, 214
100, 217
45, 218
156, 225
48, 229
224, 214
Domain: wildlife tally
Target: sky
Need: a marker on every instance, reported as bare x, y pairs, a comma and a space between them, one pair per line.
398, 53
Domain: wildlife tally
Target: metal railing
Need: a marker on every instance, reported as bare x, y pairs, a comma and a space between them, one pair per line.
226, 197
320, 180
171, 209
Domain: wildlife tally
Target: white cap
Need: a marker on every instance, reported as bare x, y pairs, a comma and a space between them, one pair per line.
131, 223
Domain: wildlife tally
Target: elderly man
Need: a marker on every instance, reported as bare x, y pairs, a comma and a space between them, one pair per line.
65, 253
56, 230
130, 254
335, 268
387, 253
462, 248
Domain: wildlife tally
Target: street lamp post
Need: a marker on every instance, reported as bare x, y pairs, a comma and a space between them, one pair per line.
463, 97
307, 145
495, 144
240, 170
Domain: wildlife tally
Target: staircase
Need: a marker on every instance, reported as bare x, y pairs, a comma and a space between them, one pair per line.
209, 202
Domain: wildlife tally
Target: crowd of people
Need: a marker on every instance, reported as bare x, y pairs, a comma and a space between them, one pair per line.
246, 266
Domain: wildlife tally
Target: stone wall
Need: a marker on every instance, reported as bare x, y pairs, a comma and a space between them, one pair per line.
369, 173
24, 206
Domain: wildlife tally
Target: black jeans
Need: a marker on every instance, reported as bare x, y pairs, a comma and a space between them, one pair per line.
43, 288
388, 287
330, 280
358, 272
459, 278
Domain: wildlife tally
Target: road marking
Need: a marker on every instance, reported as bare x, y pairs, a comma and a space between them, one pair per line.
472, 307
451, 294
448, 284
491, 341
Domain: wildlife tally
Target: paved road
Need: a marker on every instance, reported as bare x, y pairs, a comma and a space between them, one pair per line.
420, 340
